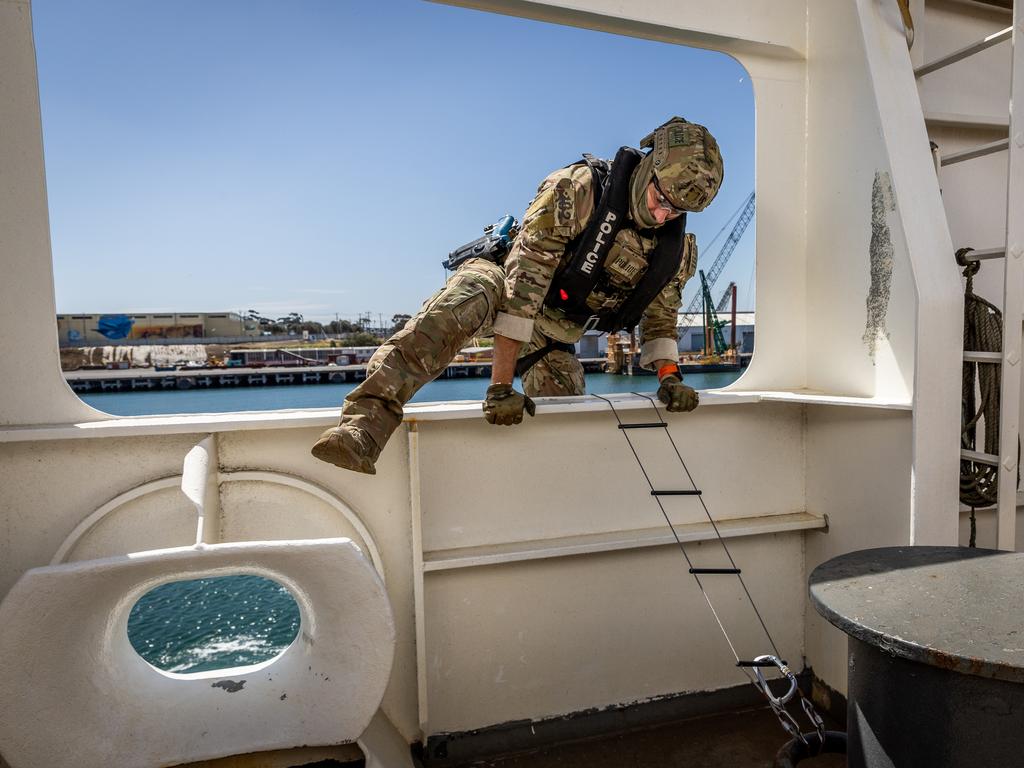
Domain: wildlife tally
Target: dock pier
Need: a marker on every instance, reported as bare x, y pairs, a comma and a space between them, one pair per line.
135, 379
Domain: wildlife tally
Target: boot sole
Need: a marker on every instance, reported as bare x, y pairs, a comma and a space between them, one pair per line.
325, 450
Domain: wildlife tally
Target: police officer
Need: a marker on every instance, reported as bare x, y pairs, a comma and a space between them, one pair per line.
587, 255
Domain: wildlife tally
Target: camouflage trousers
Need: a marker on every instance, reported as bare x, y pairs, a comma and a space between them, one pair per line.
465, 308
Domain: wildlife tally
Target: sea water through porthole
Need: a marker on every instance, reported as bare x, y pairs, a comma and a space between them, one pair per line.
215, 623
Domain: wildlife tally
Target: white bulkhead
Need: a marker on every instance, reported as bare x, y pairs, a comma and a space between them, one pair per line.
516, 600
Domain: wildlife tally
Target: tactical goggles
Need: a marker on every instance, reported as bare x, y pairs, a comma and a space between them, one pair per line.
663, 201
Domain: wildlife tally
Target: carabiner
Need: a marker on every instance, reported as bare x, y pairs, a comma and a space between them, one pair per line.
763, 684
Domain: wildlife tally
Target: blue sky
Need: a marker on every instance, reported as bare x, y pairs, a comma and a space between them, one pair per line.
323, 157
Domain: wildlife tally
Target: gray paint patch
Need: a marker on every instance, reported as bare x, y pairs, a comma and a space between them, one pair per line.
882, 261
231, 686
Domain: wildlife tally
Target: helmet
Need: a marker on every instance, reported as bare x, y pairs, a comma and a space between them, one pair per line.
686, 162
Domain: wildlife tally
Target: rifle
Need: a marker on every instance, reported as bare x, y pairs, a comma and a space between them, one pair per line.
493, 246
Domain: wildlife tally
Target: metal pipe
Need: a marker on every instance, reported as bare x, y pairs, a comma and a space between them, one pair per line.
963, 53
987, 253
1013, 303
419, 601
732, 340
979, 458
983, 357
979, 151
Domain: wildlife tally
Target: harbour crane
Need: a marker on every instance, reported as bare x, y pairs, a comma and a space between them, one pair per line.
726, 298
745, 217
714, 341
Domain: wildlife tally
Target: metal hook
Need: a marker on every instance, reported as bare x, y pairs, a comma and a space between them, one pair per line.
763, 684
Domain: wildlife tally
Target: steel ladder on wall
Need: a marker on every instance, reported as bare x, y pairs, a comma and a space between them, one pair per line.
1012, 253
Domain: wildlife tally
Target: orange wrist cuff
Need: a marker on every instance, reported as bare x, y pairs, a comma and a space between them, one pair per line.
665, 370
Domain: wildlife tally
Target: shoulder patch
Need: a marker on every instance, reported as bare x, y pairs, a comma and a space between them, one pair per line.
565, 203
678, 136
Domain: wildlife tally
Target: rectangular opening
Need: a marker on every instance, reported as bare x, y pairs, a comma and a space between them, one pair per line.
284, 204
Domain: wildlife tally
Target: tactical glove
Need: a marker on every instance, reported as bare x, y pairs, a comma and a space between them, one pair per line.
676, 395
503, 405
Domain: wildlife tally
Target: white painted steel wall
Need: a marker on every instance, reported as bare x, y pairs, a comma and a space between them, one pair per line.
530, 639
846, 159
77, 694
858, 473
534, 484
953, 93
961, 116
833, 108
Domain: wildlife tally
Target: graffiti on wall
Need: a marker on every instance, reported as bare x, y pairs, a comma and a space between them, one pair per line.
168, 331
114, 326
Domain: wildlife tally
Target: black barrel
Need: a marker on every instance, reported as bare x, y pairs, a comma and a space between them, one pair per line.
936, 654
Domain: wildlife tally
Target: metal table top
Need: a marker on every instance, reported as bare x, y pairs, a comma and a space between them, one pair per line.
951, 607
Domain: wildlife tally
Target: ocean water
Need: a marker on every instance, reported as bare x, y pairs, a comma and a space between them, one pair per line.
147, 403
203, 624
229, 621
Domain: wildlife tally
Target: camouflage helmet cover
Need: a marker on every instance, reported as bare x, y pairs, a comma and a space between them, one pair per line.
686, 162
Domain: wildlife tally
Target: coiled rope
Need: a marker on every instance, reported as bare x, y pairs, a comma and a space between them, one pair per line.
983, 332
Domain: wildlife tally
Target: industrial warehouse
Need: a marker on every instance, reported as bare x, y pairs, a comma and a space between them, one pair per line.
102, 329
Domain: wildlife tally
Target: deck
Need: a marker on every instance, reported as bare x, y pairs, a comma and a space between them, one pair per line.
746, 738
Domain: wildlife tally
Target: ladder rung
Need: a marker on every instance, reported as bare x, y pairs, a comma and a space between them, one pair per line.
701, 571
765, 663
987, 253
979, 151
676, 493
651, 425
983, 357
963, 53
979, 458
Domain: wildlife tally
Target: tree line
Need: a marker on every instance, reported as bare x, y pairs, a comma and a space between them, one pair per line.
357, 334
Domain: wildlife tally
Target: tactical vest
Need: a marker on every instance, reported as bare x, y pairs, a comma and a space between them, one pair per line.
583, 268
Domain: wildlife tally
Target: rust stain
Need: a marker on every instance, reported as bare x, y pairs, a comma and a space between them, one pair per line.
965, 665
881, 262
231, 686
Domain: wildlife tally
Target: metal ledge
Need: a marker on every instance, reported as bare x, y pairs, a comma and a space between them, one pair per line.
205, 423
593, 543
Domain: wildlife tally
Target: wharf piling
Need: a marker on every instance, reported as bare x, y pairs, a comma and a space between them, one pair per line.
136, 379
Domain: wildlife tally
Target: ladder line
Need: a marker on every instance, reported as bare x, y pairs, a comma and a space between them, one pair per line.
675, 535
728, 554
779, 710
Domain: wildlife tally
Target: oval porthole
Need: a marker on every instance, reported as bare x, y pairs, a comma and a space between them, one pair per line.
216, 623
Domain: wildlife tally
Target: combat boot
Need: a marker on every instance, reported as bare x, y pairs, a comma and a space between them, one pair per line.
347, 447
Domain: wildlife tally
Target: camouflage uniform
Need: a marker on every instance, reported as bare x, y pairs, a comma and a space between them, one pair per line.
559, 213
483, 298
